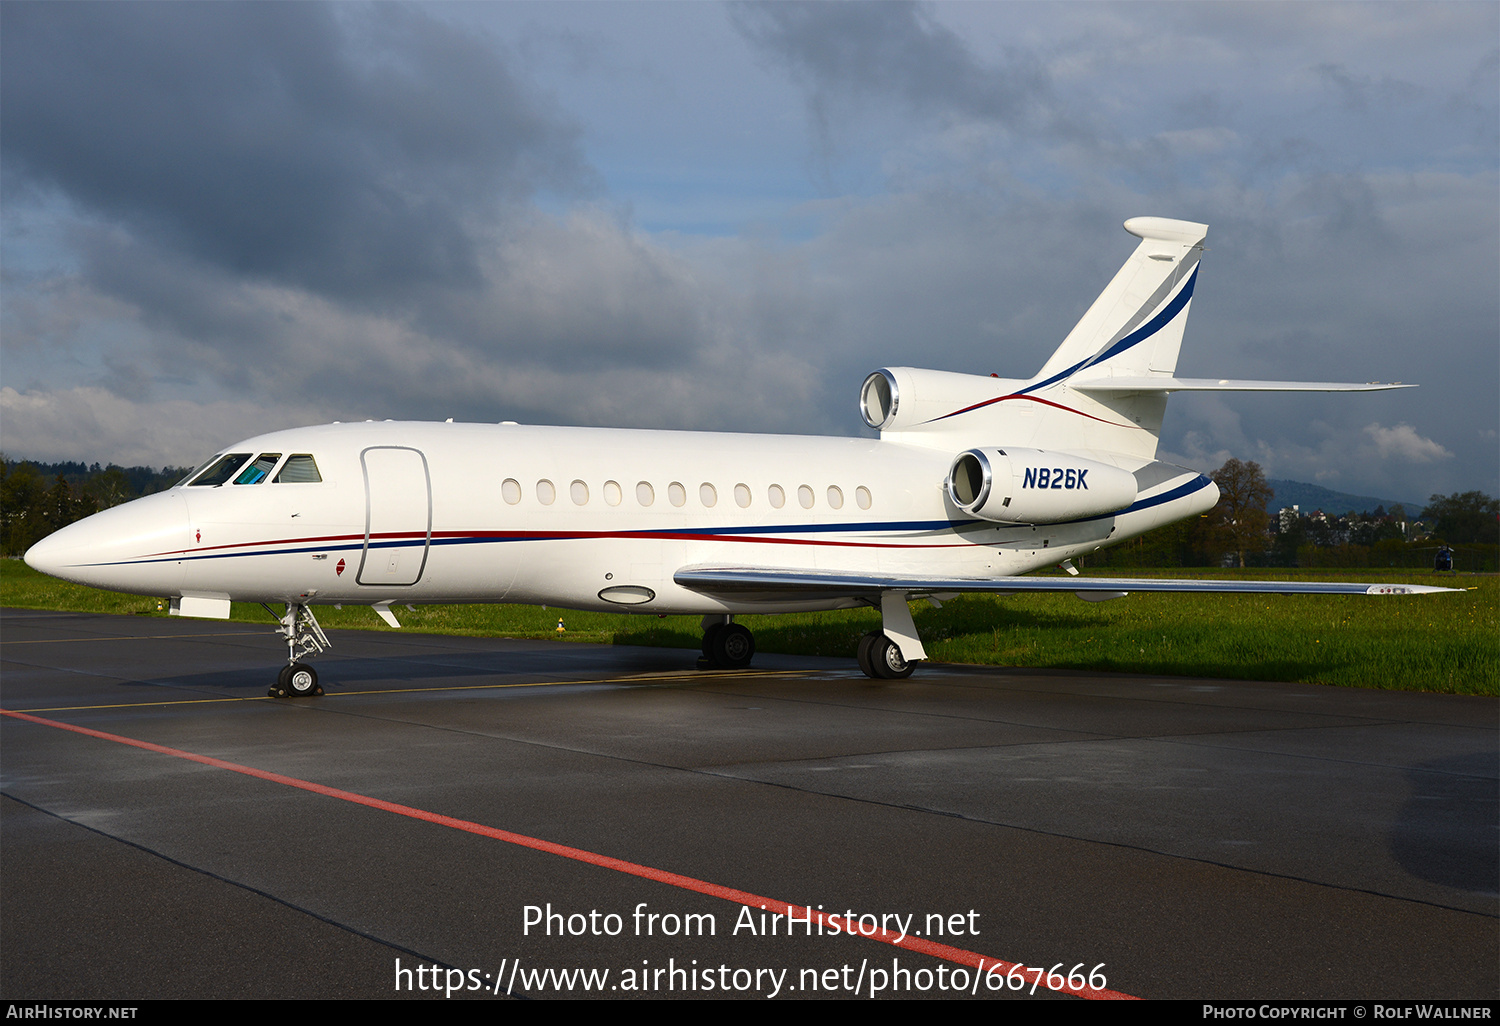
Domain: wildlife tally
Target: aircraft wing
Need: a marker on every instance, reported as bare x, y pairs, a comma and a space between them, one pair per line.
769, 584
1168, 384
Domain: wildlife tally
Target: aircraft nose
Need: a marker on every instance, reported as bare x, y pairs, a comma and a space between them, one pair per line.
136, 547
48, 555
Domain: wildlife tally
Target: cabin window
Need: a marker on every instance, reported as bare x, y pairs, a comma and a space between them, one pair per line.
862, 496
221, 470
258, 471
805, 496
300, 468
612, 494
835, 497
707, 494
777, 495
546, 493
510, 490
742, 495
644, 493
579, 492
677, 494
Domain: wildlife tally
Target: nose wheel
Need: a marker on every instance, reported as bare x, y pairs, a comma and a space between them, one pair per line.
296, 681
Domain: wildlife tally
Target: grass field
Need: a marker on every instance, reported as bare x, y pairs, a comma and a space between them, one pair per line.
1444, 643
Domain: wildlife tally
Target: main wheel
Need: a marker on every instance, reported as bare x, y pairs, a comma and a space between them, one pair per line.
733, 647
887, 660
301, 680
708, 638
862, 653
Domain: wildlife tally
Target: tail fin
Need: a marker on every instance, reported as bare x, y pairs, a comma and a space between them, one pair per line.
1105, 389
1134, 328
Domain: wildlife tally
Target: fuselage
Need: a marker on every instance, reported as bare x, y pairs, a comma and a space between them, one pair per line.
578, 517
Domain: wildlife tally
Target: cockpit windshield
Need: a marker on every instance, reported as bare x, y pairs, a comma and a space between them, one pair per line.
220, 469
258, 471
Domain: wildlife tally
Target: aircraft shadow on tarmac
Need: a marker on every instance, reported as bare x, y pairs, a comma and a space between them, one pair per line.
531, 660
1455, 800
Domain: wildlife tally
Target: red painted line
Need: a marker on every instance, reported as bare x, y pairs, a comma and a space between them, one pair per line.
982, 963
683, 536
273, 541
1034, 399
558, 536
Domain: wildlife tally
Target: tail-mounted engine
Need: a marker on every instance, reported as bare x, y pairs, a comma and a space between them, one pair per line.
905, 399
1029, 486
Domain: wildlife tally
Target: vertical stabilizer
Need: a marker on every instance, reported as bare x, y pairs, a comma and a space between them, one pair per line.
1135, 326
1132, 332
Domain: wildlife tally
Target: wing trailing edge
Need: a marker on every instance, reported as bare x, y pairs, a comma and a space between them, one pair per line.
1171, 384
770, 584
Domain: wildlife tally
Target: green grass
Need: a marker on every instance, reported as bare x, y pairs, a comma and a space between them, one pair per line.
1444, 643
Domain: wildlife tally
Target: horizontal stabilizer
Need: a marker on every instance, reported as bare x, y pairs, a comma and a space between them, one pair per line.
769, 584
1170, 384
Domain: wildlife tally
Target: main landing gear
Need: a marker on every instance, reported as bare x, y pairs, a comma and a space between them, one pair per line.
891, 653
881, 658
726, 645
303, 638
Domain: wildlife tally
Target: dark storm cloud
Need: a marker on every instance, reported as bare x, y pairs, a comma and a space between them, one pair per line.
354, 151
842, 49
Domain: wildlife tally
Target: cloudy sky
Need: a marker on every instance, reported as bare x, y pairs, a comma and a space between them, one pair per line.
220, 219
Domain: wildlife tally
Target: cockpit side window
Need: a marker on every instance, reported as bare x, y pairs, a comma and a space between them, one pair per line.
300, 469
221, 469
258, 471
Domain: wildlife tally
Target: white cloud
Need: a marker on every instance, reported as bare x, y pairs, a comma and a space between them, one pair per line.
96, 425
1403, 442
1345, 245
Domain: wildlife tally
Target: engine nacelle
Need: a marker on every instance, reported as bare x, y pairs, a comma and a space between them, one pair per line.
914, 399
1029, 486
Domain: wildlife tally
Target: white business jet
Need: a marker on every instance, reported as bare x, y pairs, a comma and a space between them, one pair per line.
974, 481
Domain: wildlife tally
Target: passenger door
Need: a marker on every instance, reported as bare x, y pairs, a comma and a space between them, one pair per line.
398, 515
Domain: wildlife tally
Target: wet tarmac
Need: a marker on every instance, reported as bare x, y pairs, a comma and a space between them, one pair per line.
1179, 838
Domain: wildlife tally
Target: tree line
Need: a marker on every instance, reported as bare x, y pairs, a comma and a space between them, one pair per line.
38, 498
1241, 531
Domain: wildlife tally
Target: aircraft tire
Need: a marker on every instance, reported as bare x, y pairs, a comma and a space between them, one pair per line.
708, 639
733, 647
887, 660
301, 680
862, 653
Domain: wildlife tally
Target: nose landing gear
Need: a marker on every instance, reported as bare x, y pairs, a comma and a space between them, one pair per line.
303, 638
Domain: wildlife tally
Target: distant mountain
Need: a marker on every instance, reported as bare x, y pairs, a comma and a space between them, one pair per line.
1309, 497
